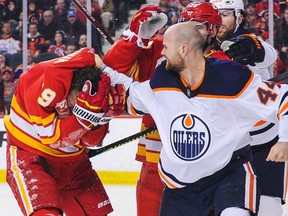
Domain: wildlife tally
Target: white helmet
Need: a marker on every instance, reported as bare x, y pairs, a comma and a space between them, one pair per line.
228, 4
236, 5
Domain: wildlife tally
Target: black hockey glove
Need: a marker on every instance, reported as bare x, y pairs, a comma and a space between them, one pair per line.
245, 49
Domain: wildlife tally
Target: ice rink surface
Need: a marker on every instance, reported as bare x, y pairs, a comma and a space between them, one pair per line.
121, 197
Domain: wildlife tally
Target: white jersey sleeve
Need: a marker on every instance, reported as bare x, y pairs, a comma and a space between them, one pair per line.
262, 68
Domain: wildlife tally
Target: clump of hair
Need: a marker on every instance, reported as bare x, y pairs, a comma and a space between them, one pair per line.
80, 75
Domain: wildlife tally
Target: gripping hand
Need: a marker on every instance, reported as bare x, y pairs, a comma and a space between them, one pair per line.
91, 107
245, 49
117, 101
144, 24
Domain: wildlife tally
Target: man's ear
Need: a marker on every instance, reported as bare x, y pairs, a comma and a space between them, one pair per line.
240, 19
183, 50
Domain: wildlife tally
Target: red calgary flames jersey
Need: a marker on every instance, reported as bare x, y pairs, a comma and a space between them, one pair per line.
40, 120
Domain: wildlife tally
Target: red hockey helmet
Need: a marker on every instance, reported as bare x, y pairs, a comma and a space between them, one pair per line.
203, 12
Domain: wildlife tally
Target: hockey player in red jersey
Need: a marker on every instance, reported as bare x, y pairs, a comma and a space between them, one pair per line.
140, 66
60, 107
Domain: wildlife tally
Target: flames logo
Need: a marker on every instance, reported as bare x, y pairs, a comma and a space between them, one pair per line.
189, 137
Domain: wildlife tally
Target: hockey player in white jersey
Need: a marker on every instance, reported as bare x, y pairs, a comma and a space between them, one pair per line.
242, 45
204, 109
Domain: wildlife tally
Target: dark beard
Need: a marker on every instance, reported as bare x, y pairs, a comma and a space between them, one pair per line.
227, 35
176, 67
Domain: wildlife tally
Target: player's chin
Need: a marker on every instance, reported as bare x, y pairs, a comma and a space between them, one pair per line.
221, 35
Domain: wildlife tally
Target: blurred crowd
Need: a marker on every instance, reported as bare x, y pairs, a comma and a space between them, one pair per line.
58, 28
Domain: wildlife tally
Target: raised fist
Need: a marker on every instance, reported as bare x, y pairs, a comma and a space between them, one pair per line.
91, 106
144, 24
245, 49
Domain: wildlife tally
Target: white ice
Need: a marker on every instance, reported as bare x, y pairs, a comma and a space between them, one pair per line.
121, 197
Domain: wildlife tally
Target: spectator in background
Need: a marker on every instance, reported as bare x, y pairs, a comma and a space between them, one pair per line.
70, 48
107, 16
2, 4
165, 7
73, 27
60, 12
36, 42
9, 44
253, 20
9, 88
34, 19
19, 27
47, 26
182, 5
82, 42
33, 10
282, 36
173, 17
283, 4
47, 4
58, 45
19, 69
10, 11
3, 65
262, 8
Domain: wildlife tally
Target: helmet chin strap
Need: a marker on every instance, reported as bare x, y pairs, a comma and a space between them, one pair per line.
237, 15
207, 44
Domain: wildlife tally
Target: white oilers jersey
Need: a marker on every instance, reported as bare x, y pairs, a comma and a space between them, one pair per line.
201, 128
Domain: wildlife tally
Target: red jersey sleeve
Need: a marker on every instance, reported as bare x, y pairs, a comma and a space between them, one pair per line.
136, 62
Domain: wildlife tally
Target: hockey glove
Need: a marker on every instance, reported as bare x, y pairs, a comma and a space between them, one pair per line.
245, 49
144, 24
90, 108
117, 101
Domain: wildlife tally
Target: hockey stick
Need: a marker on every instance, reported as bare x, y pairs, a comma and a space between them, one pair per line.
99, 28
94, 152
279, 77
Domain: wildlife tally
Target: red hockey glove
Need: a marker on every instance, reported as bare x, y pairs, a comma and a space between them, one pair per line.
90, 108
245, 49
117, 101
144, 24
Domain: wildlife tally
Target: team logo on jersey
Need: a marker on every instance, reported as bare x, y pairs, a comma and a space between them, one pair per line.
189, 137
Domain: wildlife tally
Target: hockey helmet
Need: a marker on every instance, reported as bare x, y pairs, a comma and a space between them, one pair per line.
236, 5
203, 12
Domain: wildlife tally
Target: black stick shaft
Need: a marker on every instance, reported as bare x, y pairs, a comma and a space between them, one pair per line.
94, 152
279, 77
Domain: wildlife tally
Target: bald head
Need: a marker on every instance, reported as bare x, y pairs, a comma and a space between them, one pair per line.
185, 33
